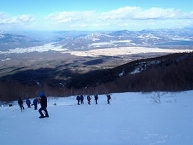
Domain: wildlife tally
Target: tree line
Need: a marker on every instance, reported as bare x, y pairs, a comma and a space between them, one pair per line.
174, 73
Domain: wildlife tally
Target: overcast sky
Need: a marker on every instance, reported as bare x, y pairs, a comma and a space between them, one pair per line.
95, 14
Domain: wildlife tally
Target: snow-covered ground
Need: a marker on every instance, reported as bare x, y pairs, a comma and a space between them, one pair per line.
125, 51
131, 119
114, 51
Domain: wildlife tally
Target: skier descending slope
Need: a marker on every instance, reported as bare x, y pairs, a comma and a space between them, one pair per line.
43, 103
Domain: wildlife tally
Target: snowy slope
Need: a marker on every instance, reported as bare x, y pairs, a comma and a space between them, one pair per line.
131, 119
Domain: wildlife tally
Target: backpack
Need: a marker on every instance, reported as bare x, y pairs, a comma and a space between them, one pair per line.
88, 98
77, 98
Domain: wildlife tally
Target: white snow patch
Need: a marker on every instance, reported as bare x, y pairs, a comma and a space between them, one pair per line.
42, 48
114, 51
131, 119
137, 70
124, 51
6, 59
121, 74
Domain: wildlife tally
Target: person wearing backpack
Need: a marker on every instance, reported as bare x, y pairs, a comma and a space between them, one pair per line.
35, 103
28, 102
88, 99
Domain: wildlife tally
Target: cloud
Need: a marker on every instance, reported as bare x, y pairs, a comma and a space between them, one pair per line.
74, 16
121, 18
21, 19
125, 13
126, 16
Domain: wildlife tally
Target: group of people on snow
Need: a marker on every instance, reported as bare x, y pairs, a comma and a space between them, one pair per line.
43, 103
28, 103
80, 98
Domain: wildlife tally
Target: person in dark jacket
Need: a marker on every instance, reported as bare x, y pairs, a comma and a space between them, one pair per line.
88, 99
108, 98
82, 99
20, 103
43, 103
35, 103
28, 102
78, 99
96, 98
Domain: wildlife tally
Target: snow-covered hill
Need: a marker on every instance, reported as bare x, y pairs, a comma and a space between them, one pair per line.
131, 119
89, 40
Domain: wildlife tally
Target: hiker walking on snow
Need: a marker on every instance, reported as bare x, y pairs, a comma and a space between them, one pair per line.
20, 103
78, 99
108, 98
88, 98
43, 103
28, 102
35, 103
96, 98
82, 99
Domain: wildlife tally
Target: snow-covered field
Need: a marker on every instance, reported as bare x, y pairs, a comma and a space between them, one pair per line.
131, 119
95, 52
125, 51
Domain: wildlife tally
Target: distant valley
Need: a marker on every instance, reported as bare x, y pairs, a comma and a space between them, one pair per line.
123, 46
56, 58
77, 40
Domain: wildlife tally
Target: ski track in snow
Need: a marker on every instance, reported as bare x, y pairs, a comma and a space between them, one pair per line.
130, 119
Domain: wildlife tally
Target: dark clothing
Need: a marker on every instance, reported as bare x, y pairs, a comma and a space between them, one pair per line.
20, 103
45, 110
96, 98
108, 99
28, 102
35, 103
43, 103
82, 99
78, 99
88, 98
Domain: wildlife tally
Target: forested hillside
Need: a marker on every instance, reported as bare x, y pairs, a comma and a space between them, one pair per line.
172, 72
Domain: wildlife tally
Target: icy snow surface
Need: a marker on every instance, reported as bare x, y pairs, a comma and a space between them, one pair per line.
130, 119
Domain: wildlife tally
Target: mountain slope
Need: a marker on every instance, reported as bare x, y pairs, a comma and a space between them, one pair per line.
170, 69
172, 72
132, 118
